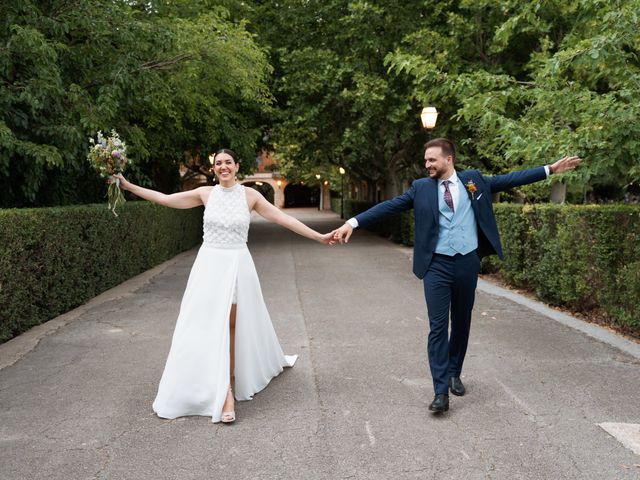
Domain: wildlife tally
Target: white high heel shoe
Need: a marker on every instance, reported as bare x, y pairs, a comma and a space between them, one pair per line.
229, 417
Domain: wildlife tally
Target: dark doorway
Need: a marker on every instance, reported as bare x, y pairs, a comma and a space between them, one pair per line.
264, 188
297, 195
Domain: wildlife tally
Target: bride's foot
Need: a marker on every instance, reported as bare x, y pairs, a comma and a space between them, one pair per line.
228, 413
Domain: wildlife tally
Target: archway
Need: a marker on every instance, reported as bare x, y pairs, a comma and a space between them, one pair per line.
298, 195
264, 188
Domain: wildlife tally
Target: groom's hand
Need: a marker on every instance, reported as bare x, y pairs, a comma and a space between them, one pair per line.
327, 238
343, 234
565, 164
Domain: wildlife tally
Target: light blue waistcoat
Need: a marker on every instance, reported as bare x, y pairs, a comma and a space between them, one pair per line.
458, 232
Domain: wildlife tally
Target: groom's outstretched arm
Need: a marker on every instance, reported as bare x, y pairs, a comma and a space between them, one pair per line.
500, 183
376, 213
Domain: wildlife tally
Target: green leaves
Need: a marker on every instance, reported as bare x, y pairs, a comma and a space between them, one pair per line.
175, 80
334, 82
65, 256
583, 257
339, 104
540, 80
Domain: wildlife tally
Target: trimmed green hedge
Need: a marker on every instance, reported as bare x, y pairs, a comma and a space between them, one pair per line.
54, 259
584, 257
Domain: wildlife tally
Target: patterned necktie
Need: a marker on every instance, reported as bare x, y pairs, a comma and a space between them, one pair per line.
448, 199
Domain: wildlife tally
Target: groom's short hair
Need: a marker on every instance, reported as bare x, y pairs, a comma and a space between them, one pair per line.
447, 146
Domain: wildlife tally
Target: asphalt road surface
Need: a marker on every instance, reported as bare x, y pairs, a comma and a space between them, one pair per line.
75, 401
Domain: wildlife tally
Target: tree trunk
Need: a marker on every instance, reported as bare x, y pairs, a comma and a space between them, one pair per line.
393, 188
558, 192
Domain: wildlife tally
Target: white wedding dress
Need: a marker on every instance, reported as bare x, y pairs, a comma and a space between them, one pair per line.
196, 376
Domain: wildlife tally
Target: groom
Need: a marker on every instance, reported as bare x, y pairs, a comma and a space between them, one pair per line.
454, 228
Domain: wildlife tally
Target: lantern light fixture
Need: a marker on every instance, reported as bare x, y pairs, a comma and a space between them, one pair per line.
429, 116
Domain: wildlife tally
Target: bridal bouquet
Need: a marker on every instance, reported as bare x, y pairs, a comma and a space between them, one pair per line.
108, 155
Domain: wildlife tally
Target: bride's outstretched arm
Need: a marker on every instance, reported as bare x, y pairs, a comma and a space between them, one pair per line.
266, 210
188, 199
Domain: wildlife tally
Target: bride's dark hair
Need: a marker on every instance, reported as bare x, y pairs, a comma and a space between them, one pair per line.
231, 153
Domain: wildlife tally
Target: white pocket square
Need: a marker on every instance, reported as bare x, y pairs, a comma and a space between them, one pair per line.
479, 196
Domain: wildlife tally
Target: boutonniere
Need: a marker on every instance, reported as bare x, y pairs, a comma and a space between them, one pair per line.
471, 188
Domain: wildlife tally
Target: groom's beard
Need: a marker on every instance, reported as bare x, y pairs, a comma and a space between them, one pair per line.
435, 173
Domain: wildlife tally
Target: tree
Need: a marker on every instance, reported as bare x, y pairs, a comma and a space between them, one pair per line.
531, 81
516, 83
173, 78
338, 104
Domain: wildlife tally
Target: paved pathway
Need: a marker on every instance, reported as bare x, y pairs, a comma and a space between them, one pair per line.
78, 405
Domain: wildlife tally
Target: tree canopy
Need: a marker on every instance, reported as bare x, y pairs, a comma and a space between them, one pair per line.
173, 78
324, 83
517, 83
526, 82
338, 103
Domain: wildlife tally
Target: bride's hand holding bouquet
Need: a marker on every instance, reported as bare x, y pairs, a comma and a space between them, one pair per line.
123, 183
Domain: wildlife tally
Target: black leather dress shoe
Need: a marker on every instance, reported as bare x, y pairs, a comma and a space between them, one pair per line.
456, 386
440, 403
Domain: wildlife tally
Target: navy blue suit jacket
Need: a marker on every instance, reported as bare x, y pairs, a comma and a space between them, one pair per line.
423, 198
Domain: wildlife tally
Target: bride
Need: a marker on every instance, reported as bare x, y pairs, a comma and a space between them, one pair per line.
223, 336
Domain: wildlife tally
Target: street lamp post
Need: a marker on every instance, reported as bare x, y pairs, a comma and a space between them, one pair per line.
342, 172
429, 117
318, 176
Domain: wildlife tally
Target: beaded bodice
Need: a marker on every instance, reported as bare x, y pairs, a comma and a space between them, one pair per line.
226, 217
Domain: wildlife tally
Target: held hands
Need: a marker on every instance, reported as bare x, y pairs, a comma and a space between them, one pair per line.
343, 233
565, 164
327, 239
